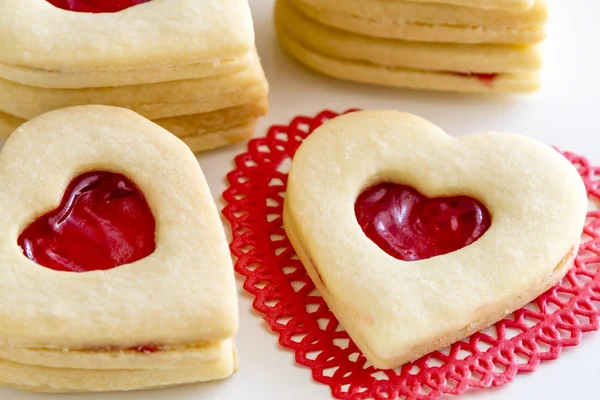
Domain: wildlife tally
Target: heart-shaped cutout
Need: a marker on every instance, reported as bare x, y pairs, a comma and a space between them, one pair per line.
189, 273
96, 6
411, 227
397, 311
103, 221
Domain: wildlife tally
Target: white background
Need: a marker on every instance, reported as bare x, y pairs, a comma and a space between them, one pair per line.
564, 114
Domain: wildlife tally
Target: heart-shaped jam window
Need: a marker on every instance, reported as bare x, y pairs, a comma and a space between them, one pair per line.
411, 227
96, 6
102, 222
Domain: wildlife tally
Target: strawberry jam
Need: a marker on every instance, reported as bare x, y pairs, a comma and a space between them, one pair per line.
411, 227
486, 79
102, 222
96, 6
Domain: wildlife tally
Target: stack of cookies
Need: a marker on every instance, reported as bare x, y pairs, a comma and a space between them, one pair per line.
190, 66
125, 284
453, 45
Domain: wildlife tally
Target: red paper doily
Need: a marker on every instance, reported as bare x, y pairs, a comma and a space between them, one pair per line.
294, 309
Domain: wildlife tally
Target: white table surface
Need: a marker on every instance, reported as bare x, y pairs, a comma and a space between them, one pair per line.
565, 113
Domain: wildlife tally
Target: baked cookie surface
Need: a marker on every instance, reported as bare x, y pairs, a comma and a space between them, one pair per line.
183, 293
36, 34
397, 311
423, 22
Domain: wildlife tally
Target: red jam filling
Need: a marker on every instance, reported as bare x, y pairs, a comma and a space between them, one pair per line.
487, 79
102, 222
145, 349
411, 227
96, 6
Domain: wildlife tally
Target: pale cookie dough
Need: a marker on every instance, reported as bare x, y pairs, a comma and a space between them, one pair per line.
160, 33
9, 124
517, 5
154, 101
397, 311
187, 125
201, 124
386, 24
90, 79
189, 357
406, 12
57, 380
200, 131
222, 137
445, 57
408, 78
189, 275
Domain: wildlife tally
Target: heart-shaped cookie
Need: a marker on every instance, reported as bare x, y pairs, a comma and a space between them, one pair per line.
154, 35
396, 310
182, 293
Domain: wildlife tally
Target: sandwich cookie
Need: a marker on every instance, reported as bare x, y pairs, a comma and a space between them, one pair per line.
429, 238
110, 223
